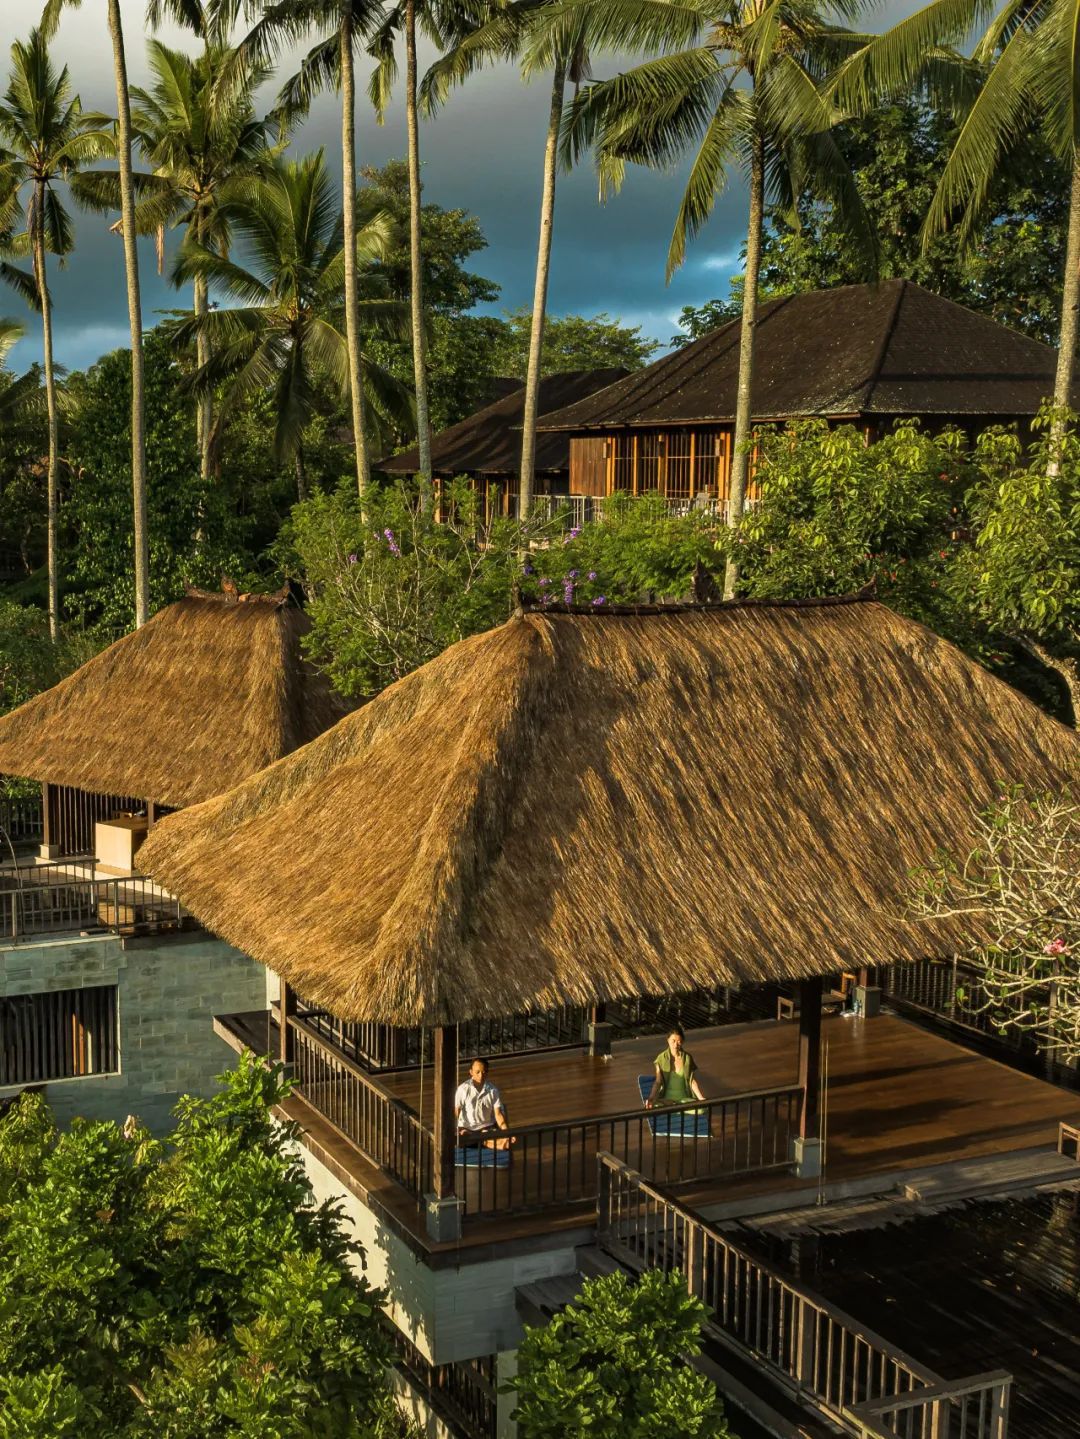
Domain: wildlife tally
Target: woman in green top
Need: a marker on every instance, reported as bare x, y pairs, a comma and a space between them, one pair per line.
676, 1079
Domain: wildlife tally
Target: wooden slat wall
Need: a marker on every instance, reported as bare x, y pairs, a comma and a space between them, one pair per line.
59, 1035
588, 466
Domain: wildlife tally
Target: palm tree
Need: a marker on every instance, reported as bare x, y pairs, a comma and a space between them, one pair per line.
285, 328
47, 138
741, 82
501, 36
440, 20
203, 143
49, 21
1023, 77
343, 26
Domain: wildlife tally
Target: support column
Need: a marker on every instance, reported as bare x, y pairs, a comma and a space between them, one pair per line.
867, 994
807, 1147
443, 1206
599, 1032
286, 1011
50, 839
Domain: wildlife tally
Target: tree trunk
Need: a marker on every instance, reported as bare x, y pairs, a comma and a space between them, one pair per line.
204, 415
301, 473
352, 309
41, 278
1070, 322
131, 265
740, 458
1064, 666
416, 262
543, 269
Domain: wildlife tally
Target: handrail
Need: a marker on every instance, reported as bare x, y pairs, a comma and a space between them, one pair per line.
828, 1359
41, 899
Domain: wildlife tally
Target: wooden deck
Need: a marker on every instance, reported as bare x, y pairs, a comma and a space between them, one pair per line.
898, 1098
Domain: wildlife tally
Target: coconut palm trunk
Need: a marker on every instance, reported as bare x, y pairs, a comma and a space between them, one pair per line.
416, 267
204, 414
740, 459
539, 311
1070, 321
348, 200
53, 485
131, 265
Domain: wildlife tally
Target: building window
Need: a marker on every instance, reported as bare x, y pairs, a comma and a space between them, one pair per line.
65, 1034
682, 465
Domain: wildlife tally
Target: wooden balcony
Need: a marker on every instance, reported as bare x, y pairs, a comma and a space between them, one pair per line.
898, 1100
42, 899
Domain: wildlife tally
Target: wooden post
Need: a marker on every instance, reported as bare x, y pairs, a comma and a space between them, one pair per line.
444, 1128
809, 1055
151, 815
599, 1032
286, 1011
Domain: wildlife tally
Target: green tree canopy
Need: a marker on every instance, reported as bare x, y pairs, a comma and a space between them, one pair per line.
572, 342
186, 1289
613, 1366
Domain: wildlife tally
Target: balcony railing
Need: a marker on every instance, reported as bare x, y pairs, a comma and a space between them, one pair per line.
40, 899
574, 511
860, 1381
546, 1164
386, 1131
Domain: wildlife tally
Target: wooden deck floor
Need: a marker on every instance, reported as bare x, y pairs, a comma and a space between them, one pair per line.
898, 1098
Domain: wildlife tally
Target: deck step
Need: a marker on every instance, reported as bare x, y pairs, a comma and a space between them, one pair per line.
1026, 1171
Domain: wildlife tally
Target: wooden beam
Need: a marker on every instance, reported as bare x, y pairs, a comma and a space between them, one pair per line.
286, 1011
445, 1128
46, 814
810, 991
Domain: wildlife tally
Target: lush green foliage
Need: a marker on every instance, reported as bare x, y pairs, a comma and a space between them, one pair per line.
571, 342
189, 1289
611, 1366
29, 660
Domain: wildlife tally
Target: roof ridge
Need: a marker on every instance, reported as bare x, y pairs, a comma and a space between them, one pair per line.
867, 595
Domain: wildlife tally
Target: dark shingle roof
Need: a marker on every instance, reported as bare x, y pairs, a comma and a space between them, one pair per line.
887, 349
489, 441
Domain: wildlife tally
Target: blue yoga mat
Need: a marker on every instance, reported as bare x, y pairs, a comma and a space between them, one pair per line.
688, 1124
480, 1157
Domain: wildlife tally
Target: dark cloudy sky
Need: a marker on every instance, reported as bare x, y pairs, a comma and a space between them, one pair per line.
483, 152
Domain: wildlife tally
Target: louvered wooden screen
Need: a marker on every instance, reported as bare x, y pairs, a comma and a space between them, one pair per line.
60, 1035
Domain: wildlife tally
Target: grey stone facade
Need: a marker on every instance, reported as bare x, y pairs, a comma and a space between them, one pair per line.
169, 989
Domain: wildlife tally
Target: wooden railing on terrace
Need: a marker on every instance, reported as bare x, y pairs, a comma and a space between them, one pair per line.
549, 1164
386, 1131
854, 1377
39, 899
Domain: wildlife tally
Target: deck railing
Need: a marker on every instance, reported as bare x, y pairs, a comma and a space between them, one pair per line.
574, 511
386, 1131
39, 899
554, 1164
866, 1385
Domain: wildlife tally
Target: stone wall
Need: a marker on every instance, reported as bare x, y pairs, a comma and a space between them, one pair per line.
169, 989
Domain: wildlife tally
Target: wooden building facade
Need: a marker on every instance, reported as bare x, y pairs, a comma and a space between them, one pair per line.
866, 355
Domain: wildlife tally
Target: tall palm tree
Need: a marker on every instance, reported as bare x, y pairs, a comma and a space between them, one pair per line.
1023, 77
343, 26
49, 21
741, 83
284, 329
46, 138
502, 36
203, 143
440, 21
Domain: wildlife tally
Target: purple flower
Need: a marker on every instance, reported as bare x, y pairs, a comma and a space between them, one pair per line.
392, 543
352, 559
544, 583
568, 592
572, 574
591, 575
600, 600
526, 569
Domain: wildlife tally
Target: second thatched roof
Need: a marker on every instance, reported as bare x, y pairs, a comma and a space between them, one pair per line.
576, 807
210, 690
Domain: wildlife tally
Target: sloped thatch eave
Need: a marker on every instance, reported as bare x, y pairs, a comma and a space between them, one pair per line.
212, 689
578, 807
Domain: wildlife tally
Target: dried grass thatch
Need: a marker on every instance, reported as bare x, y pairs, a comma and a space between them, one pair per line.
211, 690
577, 807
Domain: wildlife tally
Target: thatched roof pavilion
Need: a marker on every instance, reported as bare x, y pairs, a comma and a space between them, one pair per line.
574, 807
209, 691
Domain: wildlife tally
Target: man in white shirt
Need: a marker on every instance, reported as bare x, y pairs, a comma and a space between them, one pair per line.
478, 1109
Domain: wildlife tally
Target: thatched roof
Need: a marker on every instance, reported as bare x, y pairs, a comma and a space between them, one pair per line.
576, 807
209, 691
489, 441
858, 351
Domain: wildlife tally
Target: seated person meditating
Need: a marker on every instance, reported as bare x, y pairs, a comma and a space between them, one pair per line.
478, 1109
676, 1079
